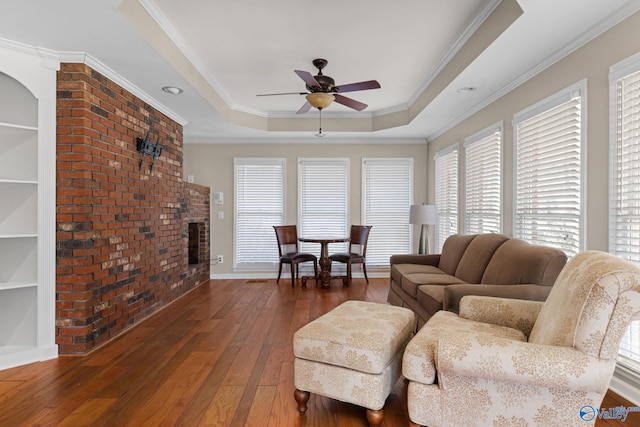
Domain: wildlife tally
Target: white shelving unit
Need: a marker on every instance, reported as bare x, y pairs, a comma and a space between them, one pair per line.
27, 206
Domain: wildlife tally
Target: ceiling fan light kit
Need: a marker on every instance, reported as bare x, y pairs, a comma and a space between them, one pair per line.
320, 100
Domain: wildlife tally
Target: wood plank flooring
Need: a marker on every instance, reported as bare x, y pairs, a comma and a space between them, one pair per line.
220, 356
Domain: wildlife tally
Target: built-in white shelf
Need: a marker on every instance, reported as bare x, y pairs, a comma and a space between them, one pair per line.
16, 127
18, 152
18, 181
27, 207
16, 285
19, 208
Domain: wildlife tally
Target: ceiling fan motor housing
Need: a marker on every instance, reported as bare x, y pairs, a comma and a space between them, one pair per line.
326, 83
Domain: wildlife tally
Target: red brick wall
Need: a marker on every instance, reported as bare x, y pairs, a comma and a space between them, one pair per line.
122, 231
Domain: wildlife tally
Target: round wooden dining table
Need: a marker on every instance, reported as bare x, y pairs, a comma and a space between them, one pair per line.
325, 263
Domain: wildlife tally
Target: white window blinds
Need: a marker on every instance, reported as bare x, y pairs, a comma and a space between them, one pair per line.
387, 188
548, 172
483, 182
259, 205
624, 211
446, 168
323, 189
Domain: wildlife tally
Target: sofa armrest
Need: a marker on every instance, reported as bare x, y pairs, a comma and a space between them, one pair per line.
513, 313
536, 365
527, 291
425, 259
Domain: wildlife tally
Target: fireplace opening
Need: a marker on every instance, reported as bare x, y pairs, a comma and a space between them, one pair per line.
196, 236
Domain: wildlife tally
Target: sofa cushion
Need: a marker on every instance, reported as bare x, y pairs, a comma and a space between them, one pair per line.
398, 271
478, 254
452, 250
411, 282
517, 261
430, 297
410, 276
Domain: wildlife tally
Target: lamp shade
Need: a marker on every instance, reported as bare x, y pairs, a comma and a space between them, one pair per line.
423, 214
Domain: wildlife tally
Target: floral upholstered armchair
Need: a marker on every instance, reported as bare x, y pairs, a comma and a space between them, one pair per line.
505, 362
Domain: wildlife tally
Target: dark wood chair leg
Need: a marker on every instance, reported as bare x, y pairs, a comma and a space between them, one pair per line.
364, 270
315, 270
294, 268
348, 282
279, 273
375, 417
302, 397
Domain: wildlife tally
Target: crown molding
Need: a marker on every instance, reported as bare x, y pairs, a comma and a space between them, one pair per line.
453, 50
593, 32
52, 59
328, 139
95, 64
171, 32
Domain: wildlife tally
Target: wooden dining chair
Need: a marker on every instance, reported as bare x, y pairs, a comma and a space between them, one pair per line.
287, 236
357, 251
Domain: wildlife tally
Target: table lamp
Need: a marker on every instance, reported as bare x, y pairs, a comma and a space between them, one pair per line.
424, 215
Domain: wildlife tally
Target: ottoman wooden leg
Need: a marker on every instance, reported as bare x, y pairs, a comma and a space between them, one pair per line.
302, 397
375, 417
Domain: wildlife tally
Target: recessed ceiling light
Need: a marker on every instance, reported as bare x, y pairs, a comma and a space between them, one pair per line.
467, 89
172, 90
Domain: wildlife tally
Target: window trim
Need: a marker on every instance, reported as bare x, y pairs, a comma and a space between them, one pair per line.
329, 160
552, 101
410, 163
627, 370
238, 161
455, 147
497, 127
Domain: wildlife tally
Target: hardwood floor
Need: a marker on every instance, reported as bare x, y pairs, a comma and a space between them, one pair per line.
221, 355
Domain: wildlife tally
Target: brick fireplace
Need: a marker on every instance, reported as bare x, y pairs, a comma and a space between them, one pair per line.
123, 232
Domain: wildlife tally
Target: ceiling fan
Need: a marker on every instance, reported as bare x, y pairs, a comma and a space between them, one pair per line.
322, 90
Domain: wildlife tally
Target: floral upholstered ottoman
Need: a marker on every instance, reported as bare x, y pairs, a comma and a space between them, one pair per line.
353, 354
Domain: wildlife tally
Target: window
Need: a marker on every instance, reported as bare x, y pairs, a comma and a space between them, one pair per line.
548, 171
446, 165
387, 188
483, 182
624, 207
323, 188
259, 205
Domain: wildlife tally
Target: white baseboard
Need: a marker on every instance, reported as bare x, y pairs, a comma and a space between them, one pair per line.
243, 275
626, 383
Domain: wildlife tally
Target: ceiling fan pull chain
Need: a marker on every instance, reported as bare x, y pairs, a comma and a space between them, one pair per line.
320, 134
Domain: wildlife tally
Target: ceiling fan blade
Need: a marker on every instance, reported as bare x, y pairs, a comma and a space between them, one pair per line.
351, 103
284, 93
306, 107
308, 78
352, 87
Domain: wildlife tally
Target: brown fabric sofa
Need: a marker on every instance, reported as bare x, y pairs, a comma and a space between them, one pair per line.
478, 264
